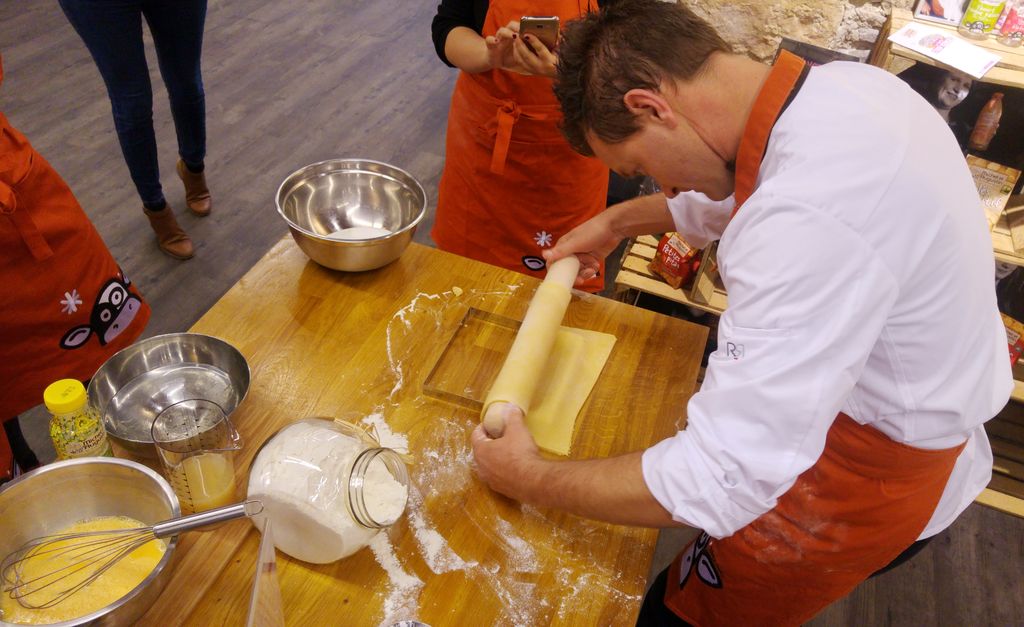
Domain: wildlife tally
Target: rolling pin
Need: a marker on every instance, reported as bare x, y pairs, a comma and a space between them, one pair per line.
517, 380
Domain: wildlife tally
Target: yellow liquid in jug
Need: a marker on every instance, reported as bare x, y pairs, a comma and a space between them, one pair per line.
205, 481
116, 582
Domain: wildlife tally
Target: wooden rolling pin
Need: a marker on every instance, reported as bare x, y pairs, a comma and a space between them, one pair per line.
518, 378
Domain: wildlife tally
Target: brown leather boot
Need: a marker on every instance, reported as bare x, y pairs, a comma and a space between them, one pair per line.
197, 194
169, 236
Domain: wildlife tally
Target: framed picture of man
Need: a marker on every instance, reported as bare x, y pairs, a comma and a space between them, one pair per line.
947, 12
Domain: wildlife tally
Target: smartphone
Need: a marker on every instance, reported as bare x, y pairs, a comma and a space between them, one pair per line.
544, 28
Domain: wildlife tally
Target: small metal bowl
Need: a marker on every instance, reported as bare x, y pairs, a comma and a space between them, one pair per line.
142, 380
58, 495
326, 197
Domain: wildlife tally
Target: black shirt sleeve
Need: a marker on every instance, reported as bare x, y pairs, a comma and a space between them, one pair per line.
453, 13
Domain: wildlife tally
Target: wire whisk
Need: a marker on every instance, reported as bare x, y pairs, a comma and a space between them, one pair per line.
85, 556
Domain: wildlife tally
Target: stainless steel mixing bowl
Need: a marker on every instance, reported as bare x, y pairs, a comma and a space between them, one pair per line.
58, 495
326, 197
142, 380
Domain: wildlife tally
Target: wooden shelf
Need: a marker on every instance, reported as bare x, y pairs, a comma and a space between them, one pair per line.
1018, 391
634, 276
1009, 71
1002, 244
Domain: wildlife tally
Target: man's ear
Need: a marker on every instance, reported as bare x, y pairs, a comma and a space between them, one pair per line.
645, 103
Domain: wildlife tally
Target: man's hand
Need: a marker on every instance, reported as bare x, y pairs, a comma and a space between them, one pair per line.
591, 241
508, 464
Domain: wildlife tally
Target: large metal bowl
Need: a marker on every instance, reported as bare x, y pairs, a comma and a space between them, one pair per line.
58, 495
142, 380
325, 197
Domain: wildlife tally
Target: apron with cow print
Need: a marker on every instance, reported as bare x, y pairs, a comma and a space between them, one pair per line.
65, 306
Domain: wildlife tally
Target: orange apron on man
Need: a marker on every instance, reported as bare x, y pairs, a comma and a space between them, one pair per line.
511, 185
65, 306
864, 501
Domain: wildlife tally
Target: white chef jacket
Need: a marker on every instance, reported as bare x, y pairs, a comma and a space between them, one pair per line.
860, 279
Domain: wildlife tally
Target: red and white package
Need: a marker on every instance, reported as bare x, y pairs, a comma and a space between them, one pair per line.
674, 260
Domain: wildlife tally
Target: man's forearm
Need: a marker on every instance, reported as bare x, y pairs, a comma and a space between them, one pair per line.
611, 489
642, 216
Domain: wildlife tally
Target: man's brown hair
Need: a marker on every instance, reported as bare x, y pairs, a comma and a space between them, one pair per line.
629, 44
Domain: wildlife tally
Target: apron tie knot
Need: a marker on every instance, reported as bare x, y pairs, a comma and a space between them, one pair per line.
508, 114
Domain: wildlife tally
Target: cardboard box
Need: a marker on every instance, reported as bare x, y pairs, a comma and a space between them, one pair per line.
995, 184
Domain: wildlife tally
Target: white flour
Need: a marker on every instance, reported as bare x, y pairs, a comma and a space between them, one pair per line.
438, 555
386, 437
359, 232
534, 582
437, 313
402, 601
301, 476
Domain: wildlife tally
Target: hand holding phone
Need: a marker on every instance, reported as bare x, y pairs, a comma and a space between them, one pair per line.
544, 28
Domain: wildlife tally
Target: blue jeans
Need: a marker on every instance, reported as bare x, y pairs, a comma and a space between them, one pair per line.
112, 31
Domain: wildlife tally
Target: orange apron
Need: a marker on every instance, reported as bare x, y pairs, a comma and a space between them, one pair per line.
65, 307
511, 184
864, 501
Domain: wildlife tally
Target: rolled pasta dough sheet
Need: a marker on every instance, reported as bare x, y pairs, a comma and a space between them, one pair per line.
569, 375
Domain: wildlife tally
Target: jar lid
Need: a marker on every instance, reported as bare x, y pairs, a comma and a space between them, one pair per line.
64, 396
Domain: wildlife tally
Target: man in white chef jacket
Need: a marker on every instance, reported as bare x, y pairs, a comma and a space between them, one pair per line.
841, 417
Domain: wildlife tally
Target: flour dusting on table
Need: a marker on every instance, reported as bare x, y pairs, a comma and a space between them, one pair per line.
402, 601
434, 305
533, 582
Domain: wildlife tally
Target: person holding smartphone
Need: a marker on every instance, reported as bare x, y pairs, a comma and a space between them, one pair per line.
511, 184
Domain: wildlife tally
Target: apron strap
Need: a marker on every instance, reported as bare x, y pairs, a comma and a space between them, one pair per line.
783, 80
24, 224
507, 113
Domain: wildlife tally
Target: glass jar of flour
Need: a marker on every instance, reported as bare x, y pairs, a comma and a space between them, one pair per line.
328, 487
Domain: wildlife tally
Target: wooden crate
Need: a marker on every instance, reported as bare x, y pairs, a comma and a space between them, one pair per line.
635, 278
1006, 433
1009, 71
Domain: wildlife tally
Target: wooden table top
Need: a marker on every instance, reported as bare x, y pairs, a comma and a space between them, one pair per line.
317, 343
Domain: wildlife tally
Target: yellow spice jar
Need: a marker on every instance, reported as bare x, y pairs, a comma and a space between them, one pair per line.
76, 429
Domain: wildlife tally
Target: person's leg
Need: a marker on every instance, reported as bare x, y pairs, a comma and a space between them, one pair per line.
23, 455
177, 29
905, 556
654, 612
112, 31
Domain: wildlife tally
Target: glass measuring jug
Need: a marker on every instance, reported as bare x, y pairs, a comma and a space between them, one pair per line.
196, 444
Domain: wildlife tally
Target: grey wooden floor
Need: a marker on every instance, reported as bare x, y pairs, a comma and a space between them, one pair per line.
290, 83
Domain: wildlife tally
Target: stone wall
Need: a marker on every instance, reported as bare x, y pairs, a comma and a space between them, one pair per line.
755, 26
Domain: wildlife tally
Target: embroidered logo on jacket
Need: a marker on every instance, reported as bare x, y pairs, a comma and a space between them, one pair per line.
736, 351
698, 559
113, 311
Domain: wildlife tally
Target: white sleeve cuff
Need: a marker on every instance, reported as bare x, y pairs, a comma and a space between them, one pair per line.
675, 467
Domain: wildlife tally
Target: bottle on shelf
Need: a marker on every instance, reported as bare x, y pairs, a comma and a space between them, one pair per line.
980, 18
76, 429
1011, 29
988, 123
